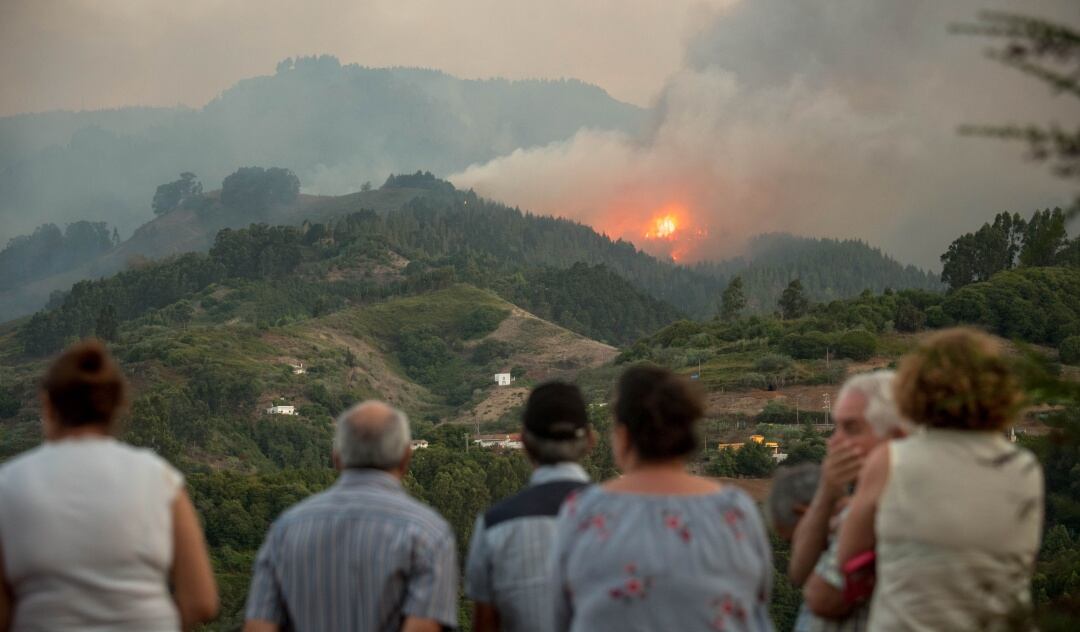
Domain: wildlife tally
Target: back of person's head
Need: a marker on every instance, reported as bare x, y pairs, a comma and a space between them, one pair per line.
85, 387
958, 378
556, 424
792, 491
372, 434
878, 389
660, 411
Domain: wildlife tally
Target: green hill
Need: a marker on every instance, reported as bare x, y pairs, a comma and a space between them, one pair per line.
829, 269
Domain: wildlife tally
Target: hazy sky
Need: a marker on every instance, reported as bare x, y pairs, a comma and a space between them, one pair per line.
830, 118
90, 54
820, 117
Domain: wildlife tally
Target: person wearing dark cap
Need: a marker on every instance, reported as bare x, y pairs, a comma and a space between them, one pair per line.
506, 574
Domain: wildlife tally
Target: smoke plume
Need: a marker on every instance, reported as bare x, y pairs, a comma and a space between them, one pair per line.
831, 118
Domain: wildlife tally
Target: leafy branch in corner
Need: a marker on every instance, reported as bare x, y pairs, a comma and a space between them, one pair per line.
1050, 52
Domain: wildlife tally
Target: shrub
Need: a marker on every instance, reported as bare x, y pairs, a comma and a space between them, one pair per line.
810, 345
936, 318
856, 345
1069, 351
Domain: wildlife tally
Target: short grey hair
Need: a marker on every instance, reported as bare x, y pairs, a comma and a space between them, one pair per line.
878, 387
371, 434
552, 451
793, 486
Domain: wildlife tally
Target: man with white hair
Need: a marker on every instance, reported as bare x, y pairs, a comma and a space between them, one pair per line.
362, 555
864, 416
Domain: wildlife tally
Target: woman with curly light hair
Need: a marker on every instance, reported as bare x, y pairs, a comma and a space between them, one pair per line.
954, 512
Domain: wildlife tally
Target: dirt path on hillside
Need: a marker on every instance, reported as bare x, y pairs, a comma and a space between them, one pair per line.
546, 351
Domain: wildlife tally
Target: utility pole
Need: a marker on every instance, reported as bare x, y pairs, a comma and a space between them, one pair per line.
466, 437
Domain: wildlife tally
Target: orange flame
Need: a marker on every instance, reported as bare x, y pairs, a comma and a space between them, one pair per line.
663, 227
672, 232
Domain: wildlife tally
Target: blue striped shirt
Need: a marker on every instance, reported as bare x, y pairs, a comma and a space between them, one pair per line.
510, 552
362, 555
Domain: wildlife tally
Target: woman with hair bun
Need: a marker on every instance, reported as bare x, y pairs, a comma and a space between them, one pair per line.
954, 512
659, 548
93, 532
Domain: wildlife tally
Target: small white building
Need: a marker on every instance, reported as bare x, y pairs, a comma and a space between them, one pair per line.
281, 410
504, 441
503, 379
418, 444
298, 368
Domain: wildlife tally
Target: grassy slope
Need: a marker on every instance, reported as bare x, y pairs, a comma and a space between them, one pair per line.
157, 357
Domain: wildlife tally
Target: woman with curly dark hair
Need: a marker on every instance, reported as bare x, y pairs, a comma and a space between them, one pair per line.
953, 512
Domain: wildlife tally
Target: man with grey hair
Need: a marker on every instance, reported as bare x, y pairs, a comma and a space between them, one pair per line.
790, 495
864, 416
507, 573
362, 555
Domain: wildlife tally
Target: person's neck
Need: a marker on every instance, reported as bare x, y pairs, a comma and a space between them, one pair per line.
672, 468
60, 433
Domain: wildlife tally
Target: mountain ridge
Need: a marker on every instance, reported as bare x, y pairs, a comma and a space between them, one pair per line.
335, 125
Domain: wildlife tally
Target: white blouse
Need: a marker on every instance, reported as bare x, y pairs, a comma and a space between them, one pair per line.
87, 536
958, 529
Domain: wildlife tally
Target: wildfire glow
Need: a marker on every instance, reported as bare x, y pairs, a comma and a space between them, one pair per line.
662, 227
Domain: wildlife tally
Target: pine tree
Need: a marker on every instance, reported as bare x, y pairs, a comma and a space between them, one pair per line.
793, 303
107, 326
733, 300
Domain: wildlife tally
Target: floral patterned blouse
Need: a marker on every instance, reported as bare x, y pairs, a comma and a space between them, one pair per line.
655, 562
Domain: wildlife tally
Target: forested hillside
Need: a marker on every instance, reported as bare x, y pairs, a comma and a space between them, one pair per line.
421, 303
828, 269
483, 240
335, 126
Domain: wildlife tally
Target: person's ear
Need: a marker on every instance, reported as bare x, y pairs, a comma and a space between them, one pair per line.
800, 509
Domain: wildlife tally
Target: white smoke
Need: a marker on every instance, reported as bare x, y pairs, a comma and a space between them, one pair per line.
833, 118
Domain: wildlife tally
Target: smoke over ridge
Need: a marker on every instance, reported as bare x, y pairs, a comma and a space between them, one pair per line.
832, 118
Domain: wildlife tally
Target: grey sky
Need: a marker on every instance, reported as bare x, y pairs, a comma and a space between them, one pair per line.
826, 117
89, 54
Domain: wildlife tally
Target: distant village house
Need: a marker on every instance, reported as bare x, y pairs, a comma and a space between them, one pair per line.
772, 446
298, 368
503, 441
281, 410
419, 444
503, 379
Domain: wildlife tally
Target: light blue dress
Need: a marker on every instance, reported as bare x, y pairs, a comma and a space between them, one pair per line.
652, 562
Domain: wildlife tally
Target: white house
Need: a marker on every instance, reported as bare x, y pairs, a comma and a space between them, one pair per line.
281, 410
505, 441
298, 368
419, 444
503, 379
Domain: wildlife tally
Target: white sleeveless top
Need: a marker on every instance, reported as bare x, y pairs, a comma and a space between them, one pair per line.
958, 529
87, 536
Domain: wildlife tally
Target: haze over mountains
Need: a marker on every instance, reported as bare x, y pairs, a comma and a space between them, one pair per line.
335, 126
501, 238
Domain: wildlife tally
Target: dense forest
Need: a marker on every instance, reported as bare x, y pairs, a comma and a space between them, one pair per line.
828, 269
448, 235
49, 250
